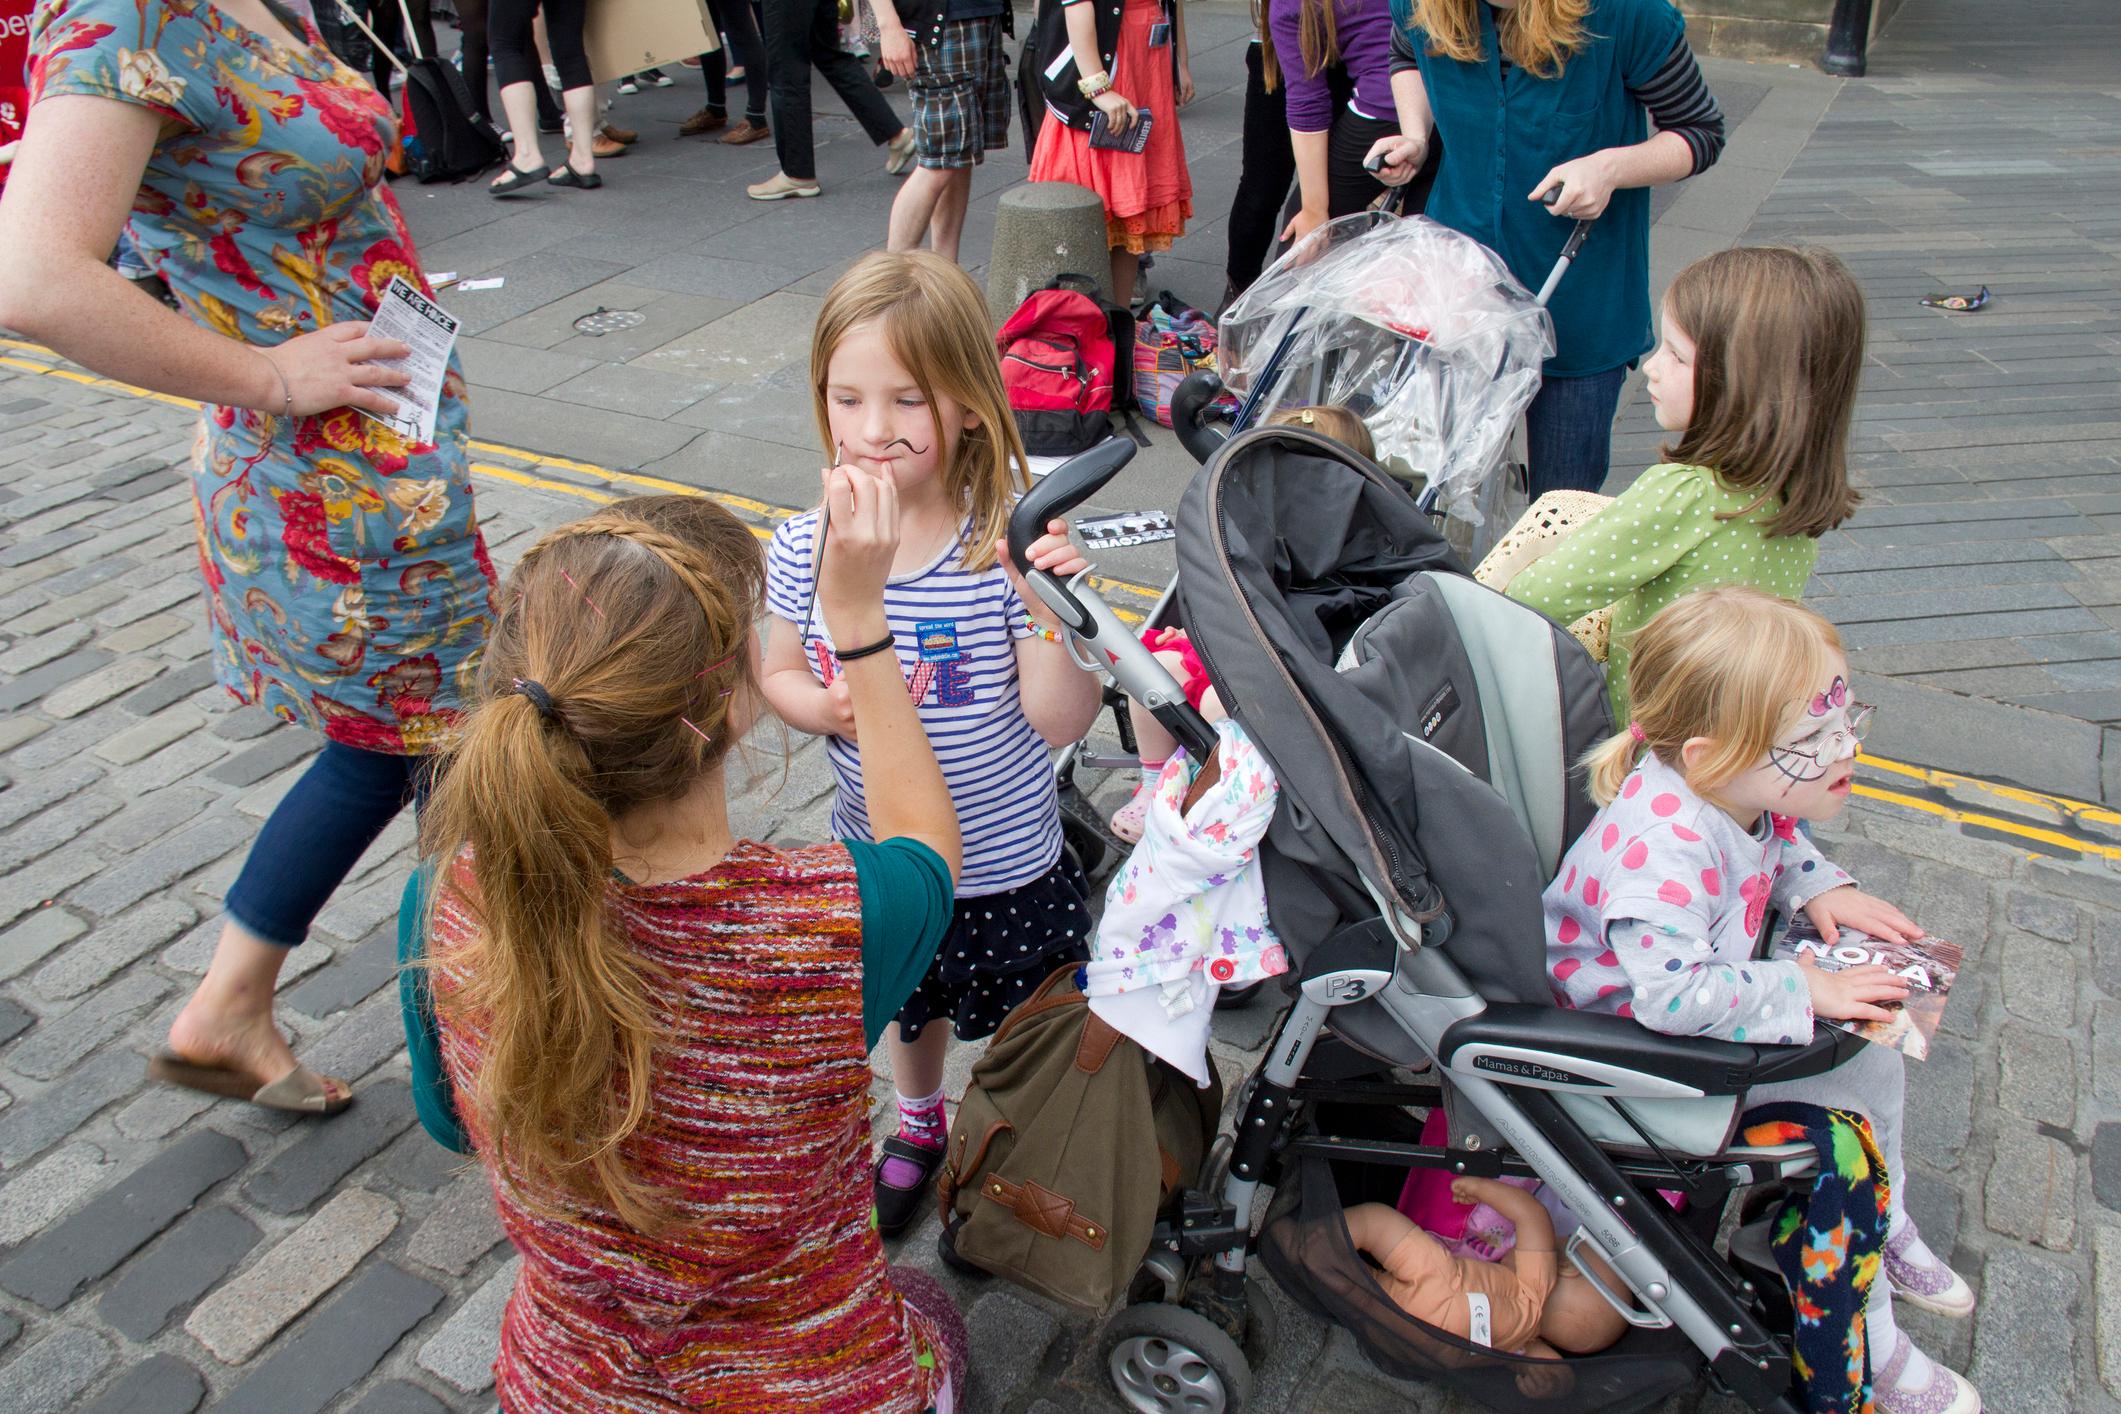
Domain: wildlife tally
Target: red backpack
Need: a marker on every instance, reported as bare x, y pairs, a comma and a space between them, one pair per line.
1058, 368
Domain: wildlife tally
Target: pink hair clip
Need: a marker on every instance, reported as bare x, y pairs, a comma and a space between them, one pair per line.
696, 731
583, 592
716, 666
1635, 731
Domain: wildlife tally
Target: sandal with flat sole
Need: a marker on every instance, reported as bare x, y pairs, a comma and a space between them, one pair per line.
516, 180
581, 181
300, 1091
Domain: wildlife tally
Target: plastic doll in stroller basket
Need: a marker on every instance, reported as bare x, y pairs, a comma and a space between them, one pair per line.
1175, 651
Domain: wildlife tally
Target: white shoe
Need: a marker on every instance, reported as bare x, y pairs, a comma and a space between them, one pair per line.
1946, 1393
1929, 1284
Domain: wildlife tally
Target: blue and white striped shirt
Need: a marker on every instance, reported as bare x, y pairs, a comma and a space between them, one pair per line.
956, 632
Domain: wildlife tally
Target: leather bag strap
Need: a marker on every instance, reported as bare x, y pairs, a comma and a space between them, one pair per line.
1043, 1211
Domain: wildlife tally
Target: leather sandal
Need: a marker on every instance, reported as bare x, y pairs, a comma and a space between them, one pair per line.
897, 1208
581, 181
517, 179
300, 1091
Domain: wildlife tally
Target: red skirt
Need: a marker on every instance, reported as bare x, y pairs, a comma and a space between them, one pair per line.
1148, 196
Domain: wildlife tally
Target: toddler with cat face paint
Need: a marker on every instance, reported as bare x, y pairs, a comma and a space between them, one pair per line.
1742, 727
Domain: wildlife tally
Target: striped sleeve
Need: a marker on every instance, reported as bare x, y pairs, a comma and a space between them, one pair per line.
1680, 102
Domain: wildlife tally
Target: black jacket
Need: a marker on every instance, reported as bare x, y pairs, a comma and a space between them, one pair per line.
923, 20
1058, 74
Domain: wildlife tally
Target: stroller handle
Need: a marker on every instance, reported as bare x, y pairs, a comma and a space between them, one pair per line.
1089, 619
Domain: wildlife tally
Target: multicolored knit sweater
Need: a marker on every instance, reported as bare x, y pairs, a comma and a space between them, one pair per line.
773, 1296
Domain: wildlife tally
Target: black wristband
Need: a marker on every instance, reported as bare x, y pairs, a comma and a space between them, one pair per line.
888, 641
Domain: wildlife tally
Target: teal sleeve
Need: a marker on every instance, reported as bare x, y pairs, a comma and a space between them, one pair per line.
906, 908
432, 1099
1650, 527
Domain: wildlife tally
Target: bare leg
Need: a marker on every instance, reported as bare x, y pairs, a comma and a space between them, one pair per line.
1126, 268
519, 104
917, 1065
581, 128
228, 1020
948, 224
914, 209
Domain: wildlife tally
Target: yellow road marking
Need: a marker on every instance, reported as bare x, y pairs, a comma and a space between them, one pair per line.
764, 510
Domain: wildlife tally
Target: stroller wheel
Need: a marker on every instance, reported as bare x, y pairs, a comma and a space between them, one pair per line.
1262, 1324
1168, 1360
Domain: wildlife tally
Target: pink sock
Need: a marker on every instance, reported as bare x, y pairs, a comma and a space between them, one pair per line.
919, 1122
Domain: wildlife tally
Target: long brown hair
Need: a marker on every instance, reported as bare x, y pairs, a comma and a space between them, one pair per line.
1318, 35
1730, 664
935, 320
622, 649
1778, 350
1538, 36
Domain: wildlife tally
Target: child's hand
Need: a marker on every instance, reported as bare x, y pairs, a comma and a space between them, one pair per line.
856, 560
1853, 993
1052, 552
1850, 907
838, 716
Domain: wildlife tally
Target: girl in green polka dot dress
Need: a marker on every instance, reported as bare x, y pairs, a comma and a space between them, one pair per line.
1757, 376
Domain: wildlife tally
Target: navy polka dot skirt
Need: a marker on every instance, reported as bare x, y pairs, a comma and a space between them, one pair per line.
999, 948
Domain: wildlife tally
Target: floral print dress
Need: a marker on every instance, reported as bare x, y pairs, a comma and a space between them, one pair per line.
348, 585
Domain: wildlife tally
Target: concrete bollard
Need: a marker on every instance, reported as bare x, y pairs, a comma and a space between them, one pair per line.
1042, 230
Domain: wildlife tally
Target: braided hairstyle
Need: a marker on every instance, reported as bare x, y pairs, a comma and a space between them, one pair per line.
615, 677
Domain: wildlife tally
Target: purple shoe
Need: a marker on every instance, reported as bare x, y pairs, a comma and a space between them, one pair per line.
1933, 1286
1946, 1392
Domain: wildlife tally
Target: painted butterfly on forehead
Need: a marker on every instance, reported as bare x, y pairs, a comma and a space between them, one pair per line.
1835, 696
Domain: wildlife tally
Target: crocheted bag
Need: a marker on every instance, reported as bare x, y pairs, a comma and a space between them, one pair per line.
1546, 523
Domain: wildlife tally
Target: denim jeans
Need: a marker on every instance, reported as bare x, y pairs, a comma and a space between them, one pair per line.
316, 834
1568, 432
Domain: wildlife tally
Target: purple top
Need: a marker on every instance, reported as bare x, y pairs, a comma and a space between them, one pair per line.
1364, 28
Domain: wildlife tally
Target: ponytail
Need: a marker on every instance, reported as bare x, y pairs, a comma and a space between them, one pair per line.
616, 676
560, 993
1609, 764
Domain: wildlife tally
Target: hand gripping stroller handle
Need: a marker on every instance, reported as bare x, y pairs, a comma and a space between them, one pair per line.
1061, 490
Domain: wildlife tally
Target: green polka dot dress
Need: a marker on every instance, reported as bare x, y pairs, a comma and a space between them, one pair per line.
1677, 529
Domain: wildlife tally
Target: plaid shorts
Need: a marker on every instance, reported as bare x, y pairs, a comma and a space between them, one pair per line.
961, 94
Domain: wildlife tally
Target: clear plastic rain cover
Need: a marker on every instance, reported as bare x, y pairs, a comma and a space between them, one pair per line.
1419, 330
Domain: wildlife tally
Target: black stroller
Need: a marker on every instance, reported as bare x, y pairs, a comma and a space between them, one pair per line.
1423, 729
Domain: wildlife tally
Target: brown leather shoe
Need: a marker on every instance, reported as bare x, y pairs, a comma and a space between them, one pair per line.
603, 146
704, 121
617, 134
745, 132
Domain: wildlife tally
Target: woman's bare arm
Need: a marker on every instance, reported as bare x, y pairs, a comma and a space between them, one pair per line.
75, 175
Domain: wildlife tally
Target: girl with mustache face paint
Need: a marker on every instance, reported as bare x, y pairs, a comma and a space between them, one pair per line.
909, 389
1742, 726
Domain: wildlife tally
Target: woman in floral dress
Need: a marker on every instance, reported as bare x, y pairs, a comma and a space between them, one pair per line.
348, 586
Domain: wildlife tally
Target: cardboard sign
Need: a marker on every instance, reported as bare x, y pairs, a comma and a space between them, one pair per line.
14, 75
626, 36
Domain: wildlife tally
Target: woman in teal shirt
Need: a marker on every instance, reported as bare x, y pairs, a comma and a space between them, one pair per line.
1538, 96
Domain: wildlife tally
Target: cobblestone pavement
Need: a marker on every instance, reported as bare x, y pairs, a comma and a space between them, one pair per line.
159, 1250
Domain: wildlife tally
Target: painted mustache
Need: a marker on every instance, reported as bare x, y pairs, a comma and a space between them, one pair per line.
911, 450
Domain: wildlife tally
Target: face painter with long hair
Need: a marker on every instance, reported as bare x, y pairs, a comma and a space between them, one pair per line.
909, 388
656, 1035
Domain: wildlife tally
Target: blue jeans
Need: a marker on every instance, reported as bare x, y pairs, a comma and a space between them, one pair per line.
1568, 432
315, 836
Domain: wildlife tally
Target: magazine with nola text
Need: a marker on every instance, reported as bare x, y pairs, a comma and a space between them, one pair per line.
1928, 965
